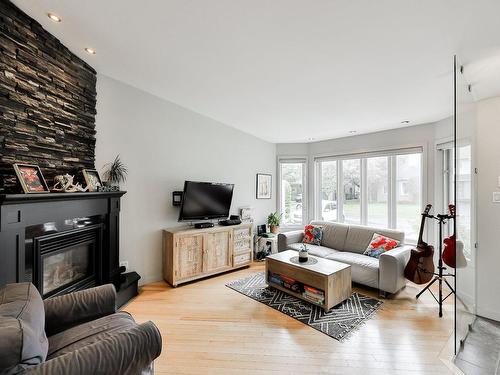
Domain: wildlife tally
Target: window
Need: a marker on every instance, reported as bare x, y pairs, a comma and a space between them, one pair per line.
328, 190
409, 191
376, 189
377, 194
293, 199
351, 180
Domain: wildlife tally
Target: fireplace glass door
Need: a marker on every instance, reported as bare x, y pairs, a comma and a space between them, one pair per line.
66, 267
67, 261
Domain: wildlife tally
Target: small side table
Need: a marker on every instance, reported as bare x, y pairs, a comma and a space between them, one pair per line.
267, 245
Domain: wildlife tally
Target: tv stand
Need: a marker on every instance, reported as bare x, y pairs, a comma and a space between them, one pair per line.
203, 225
190, 254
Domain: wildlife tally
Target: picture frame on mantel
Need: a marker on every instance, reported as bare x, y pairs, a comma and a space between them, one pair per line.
264, 186
92, 179
31, 178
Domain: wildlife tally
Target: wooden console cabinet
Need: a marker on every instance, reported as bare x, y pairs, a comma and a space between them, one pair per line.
190, 254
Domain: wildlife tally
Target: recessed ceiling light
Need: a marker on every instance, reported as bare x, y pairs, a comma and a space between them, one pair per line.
54, 17
405, 122
90, 51
310, 139
352, 131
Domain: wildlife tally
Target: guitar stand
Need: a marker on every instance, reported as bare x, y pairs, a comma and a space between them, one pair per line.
441, 275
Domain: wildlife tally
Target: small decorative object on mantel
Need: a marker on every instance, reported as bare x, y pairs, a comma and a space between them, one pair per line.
31, 178
274, 221
264, 186
64, 183
108, 189
303, 253
92, 179
116, 173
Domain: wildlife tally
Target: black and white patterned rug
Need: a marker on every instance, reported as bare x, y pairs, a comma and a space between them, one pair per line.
338, 323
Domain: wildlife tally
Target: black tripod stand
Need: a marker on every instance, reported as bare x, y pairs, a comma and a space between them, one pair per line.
441, 275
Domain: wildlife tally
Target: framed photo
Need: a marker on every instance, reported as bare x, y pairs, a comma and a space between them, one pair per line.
246, 214
264, 186
31, 178
92, 179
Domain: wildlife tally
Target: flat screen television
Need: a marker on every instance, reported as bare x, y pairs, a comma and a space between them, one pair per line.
205, 201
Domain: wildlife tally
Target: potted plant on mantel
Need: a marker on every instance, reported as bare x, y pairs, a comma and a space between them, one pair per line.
274, 221
116, 173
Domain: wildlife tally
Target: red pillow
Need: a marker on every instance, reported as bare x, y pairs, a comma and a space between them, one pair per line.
312, 234
380, 244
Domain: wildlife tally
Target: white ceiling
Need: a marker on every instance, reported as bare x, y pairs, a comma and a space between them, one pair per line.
288, 70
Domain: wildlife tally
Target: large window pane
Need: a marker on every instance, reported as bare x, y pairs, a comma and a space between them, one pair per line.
377, 175
328, 183
352, 190
408, 194
292, 189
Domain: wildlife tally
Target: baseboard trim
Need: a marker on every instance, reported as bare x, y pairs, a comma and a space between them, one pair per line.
488, 314
150, 279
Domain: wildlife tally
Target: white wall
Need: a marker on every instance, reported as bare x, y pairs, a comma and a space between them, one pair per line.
426, 136
488, 213
162, 145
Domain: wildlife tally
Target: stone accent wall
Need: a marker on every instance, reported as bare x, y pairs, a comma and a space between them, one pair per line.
47, 101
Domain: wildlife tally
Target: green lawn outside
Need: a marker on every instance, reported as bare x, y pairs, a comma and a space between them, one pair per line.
408, 214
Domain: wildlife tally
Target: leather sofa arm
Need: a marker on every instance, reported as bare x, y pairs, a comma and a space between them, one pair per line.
287, 238
71, 309
391, 268
125, 353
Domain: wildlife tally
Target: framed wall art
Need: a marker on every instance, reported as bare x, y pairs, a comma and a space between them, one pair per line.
264, 186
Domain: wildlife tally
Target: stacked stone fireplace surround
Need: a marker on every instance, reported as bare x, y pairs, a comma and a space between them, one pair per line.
47, 118
47, 101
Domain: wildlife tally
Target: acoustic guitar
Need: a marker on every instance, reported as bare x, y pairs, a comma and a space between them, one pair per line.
420, 267
453, 253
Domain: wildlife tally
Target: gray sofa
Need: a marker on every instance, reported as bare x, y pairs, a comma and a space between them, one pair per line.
346, 243
75, 334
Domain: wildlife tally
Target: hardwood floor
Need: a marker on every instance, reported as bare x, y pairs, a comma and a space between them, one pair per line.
208, 328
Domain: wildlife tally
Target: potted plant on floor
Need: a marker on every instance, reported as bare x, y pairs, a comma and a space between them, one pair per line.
274, 221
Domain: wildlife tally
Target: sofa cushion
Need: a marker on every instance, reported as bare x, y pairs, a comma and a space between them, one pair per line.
319, 251
364, 270
379, 245
312, 234
23, 342
89, 333
359, 237
334, 234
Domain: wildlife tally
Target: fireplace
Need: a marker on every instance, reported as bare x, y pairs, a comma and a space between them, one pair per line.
61, 242
65, 261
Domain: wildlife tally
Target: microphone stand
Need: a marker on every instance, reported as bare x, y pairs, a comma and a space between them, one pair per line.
441, 275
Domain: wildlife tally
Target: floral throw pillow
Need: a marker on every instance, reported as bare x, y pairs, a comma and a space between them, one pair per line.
380, 244
312, 234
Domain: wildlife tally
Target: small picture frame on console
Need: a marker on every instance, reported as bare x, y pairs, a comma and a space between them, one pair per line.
264, 186
92, 179
31, 178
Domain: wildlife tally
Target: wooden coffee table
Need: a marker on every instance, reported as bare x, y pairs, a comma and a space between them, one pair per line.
333, 278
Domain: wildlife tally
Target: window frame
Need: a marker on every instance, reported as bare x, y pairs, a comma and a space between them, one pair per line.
305, 196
